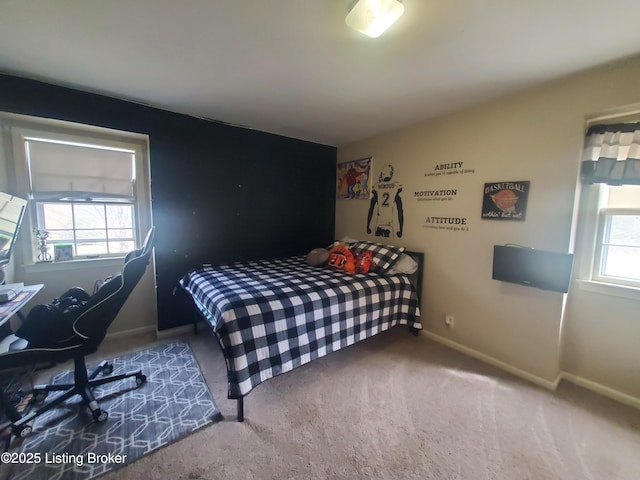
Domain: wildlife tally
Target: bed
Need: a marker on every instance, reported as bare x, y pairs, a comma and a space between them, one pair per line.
272, 316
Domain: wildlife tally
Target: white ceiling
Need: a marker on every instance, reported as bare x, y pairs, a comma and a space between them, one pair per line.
292, 67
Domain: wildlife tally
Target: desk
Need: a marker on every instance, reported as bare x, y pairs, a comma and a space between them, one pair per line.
12, 381
13, 307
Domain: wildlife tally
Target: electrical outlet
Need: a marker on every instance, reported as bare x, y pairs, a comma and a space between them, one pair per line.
448, 320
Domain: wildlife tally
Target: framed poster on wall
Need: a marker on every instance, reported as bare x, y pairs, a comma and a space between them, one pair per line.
505, 200
352, 180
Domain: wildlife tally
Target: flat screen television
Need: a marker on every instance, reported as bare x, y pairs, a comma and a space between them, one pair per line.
533, 268
11, 213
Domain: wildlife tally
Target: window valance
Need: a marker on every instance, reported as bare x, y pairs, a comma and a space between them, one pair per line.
612, 155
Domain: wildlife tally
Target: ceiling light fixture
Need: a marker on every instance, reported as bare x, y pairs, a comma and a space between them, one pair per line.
373, 17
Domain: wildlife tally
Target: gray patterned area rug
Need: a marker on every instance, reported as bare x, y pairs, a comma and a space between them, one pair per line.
66, 444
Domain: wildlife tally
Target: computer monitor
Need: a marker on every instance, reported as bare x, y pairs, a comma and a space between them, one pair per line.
11, 213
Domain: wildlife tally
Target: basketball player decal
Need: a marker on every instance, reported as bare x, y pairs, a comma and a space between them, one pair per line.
385, 209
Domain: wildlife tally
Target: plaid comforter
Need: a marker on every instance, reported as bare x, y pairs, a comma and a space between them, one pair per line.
273, 316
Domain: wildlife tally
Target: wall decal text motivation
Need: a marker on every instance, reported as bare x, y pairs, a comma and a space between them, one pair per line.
435, 195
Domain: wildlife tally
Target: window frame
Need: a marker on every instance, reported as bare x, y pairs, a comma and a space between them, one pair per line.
17, 128
603, 227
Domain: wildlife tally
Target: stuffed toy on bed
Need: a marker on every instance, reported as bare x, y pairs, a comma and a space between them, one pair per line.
318, 257
341, 258
364, 262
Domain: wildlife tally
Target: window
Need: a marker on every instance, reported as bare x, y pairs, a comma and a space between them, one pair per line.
84, 195
88, 187
608, 233
93, 229
617, 252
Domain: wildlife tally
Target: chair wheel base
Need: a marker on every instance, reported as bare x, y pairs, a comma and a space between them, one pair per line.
141, 379
107, 369
100, 415
21, 431
40, 396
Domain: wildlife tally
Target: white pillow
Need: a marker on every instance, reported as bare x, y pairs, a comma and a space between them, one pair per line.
405, 264
347, 239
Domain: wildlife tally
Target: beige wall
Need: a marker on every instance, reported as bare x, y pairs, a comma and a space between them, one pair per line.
536, 135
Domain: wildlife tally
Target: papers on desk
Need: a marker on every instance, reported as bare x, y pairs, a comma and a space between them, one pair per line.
10, 291
9, 309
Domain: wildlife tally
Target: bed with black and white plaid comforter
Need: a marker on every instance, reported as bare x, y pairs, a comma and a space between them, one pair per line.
273, 316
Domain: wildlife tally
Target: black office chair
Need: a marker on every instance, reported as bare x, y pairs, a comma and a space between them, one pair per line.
75, 339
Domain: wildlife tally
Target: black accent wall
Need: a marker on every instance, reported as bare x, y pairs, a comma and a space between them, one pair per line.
219, 192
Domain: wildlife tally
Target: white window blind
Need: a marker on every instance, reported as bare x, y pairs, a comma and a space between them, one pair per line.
66, 171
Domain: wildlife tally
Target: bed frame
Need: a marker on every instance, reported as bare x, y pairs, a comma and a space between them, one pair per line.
415, 279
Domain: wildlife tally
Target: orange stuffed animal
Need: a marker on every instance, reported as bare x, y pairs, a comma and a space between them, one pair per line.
341, 258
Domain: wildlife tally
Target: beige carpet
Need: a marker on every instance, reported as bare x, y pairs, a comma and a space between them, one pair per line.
399, 407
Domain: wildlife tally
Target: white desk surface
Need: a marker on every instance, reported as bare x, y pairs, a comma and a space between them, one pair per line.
10, 308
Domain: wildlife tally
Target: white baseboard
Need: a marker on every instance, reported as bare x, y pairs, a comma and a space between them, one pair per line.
602, 390
171, 332
131, 332
542, 382
160, 334
551, 385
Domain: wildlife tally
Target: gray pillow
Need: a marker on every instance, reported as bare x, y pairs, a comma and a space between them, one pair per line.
317, 257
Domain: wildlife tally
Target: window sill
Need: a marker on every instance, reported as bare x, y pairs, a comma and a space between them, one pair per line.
609, 289
79, 264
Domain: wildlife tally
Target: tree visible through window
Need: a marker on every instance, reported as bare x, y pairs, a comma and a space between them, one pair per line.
95, 228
